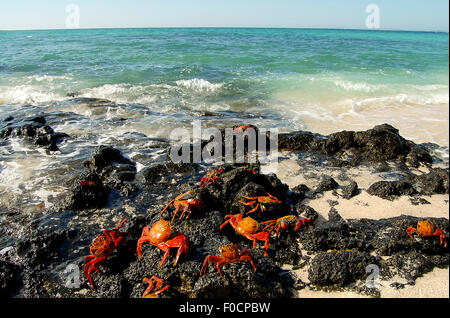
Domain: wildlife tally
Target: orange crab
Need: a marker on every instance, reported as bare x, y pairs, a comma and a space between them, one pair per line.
161, 236
154, 283
427, 229
260, 202
188, 204
242, 128
283, 223
89, 183
101, 248
248, 227
211, 177
228, 254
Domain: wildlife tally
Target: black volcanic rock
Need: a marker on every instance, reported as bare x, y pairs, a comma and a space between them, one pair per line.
378, 144
33, 130
434, 182
339, 268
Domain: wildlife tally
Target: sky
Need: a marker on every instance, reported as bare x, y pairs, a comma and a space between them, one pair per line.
423, 15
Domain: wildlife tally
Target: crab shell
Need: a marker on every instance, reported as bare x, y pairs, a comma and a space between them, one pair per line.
247, 225
425, 228
230, 251
102, 246
160, 232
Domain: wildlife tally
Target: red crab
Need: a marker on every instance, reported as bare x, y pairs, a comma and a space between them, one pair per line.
161, 236
237, 129
284, 222
427, 229
101, 248
228, 254
248, 227
211, 177
260, 202
89, 183
188, 204
154, 287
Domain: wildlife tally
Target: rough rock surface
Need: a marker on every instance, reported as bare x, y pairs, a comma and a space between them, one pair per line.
34, 130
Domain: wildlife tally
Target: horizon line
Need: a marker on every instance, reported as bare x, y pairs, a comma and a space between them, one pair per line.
227, 27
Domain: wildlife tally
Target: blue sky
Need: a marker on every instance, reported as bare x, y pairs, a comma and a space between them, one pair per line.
426, 15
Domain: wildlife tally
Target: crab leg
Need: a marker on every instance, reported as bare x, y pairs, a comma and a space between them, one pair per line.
93, 266
409, 230
151, 286
441, 234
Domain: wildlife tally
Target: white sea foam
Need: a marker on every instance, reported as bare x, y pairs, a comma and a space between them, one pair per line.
200, 85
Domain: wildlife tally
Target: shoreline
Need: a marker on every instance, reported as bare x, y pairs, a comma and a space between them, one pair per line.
349, 223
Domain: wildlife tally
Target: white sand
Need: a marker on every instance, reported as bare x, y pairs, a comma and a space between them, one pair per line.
432, 285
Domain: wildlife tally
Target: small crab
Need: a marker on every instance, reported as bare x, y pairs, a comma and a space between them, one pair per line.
260, 202
89, 183
426, 229
161, 236
154, 287
248, 227
211, 177
228, 254
242, 128
188, 204
101, 248
283, 223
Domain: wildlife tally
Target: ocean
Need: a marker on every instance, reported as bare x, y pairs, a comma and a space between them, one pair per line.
155, 80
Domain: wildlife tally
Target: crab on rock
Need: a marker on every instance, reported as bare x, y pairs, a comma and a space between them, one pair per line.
426, 229
101, 248
161, 236
154, 287
260, 202
188, 204
228, 254
284, 222
211, 177
248, 227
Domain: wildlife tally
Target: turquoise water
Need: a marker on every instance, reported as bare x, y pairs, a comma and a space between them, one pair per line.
159, 79
262, 70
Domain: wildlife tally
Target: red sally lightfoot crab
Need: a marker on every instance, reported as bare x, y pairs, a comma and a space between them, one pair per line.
101, 248
284, 222
160, 235
228, 254
260, 202
248, 227
427, 229
211, 177
154, 287
188, 204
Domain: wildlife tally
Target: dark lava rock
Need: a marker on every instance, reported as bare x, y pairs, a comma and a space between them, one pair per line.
350, 190
378, 144
225, 194
305, 211
106, 169
339, 268
34, 130
41, 246
327, 183
390, 190
9, 278
87, 193
434, 182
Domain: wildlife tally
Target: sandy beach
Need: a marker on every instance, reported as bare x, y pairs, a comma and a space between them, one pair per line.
434, 284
